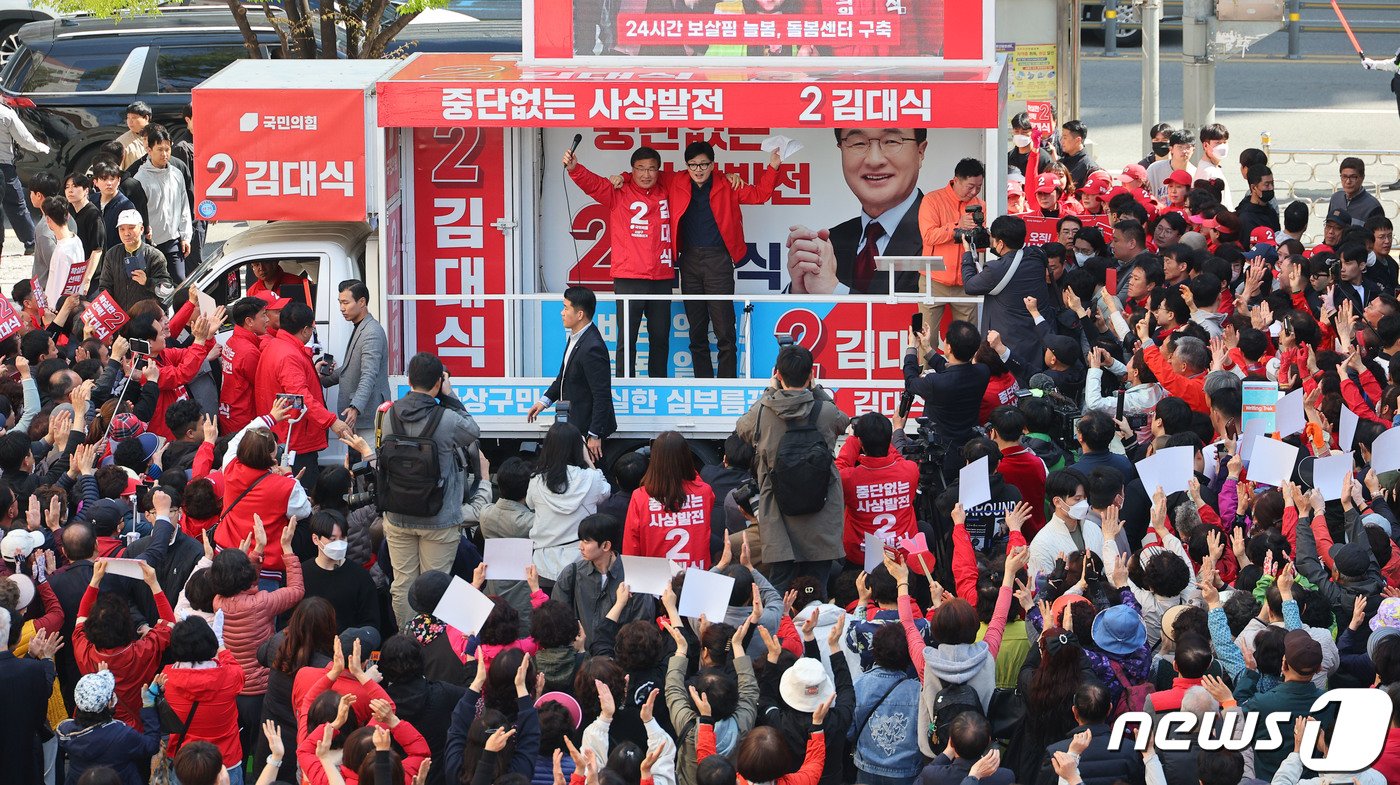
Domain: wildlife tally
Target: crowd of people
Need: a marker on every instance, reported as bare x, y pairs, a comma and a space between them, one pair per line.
193, 596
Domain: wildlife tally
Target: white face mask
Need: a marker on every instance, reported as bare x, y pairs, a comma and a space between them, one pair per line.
1081, 257
1079, 510
1021, 140
1221, 150
1371, 259
335, 550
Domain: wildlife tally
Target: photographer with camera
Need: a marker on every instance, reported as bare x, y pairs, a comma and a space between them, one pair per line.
952, 389
944, 217
421, 478
1017, 273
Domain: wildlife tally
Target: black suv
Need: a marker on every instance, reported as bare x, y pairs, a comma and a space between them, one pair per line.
71, 80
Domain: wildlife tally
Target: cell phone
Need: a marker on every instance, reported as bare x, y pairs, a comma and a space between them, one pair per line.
916, 323
327, 357
297, 402
133, 263
139, 346
894, 553
906, 402
1120, 405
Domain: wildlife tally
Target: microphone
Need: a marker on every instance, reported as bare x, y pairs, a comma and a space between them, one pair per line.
577, 138
1042, 382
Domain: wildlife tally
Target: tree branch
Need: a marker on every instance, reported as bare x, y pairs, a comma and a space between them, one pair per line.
374, 48
250, 39
277, 28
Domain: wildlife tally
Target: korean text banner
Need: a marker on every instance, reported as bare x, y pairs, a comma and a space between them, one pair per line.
295, 155
779, 29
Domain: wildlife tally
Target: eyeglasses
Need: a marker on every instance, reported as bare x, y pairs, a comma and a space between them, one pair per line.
700, 167
644, 169
888, 145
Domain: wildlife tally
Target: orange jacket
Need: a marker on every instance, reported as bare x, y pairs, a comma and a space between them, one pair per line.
939, 214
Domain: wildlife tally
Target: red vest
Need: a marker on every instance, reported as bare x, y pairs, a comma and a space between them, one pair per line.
268, 500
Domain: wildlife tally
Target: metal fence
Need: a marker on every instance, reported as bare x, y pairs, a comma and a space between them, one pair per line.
1312, 176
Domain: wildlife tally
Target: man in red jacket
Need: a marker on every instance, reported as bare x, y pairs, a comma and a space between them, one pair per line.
879, 485
1019, 465
285, 367
642, 254
709, 227
171, 369
241, 353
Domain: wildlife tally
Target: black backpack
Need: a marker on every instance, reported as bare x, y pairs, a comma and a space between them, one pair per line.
951, 701
801, 472
409, 479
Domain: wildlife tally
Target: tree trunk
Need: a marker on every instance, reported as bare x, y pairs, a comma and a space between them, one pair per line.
250, 39
354, 29
328, 31
300, 17
277, 26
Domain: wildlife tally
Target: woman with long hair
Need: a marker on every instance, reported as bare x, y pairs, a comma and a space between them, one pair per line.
565, 489
504, 693
1052, 672
670, 514
307, 640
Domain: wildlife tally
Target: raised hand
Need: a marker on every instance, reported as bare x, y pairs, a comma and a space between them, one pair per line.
775, 649
682, 649
702, 703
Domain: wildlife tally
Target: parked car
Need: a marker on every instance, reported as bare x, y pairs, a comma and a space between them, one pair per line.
71, 80
1129, 19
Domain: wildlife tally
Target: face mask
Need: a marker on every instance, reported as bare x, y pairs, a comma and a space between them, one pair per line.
335, 550
1081, 257
1221, 150
1371, 259
1267, 196
1079, 510
1160, 149
1021, 140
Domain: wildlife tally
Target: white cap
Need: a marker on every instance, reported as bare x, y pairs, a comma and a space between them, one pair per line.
130, 218
20, 543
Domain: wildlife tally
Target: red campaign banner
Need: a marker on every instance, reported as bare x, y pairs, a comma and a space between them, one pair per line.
104, 316
841, 339
755, 29
458, 195
10, 323
41, 298
1042, 229
285, 155
460, 90
1042, 116
933, 29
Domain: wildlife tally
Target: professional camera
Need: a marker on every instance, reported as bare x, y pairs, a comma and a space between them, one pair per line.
977, 237
1067, 411
362, 490
929, 450
746, 496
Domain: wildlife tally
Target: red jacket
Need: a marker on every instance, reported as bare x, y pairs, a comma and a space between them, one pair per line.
240, 357
639, 226
311, 682
133, 665
879, 495
1021, 467
177, 368
682, 536
249, 620
216, 718
724, 203
964, 566
268, 499
415, 751
1001, 391
1170, 699
285, 367
1192, 390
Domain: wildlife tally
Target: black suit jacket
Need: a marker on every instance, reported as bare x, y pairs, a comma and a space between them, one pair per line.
24, 716
586, 383
906, 241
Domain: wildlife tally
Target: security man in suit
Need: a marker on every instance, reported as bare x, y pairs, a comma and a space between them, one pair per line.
585, 376
364, 379
881, 166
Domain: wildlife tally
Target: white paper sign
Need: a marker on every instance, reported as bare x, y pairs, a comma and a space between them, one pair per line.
874, 553
1210, 455
974, 484
1253, 428
1385, 451
463, 608
1271, 461
1346, 434
705, 593
1288, 413
129, 568
1329, 473
647, 574
206, 304
786, 147
1170, 468
507, 557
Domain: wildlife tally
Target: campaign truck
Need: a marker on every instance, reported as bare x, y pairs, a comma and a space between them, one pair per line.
438, 181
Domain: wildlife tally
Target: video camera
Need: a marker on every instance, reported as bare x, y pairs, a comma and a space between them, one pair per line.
1066, 411
978, 237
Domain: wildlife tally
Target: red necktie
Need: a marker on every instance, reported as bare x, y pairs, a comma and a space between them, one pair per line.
865, 260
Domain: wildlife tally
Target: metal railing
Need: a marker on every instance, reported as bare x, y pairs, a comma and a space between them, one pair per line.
1118, 16
1311, 176
744, 337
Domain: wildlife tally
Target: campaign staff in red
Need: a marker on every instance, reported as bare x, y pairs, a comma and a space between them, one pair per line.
670, 514
879, 484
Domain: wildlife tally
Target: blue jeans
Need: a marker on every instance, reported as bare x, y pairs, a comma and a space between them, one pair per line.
174, 259
16, 205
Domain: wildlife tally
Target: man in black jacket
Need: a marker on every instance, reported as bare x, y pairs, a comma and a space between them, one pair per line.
23, 708
1098, 765
952, 391
585, 378
183, 552
1006, 282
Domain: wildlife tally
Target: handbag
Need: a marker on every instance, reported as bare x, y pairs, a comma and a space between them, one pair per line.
1006, 711
163, 766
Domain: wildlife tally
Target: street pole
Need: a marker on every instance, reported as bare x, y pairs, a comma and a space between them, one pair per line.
1151, 67
1198, 67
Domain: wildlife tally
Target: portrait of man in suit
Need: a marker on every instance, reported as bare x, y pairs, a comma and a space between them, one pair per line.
881, 167
585, 376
